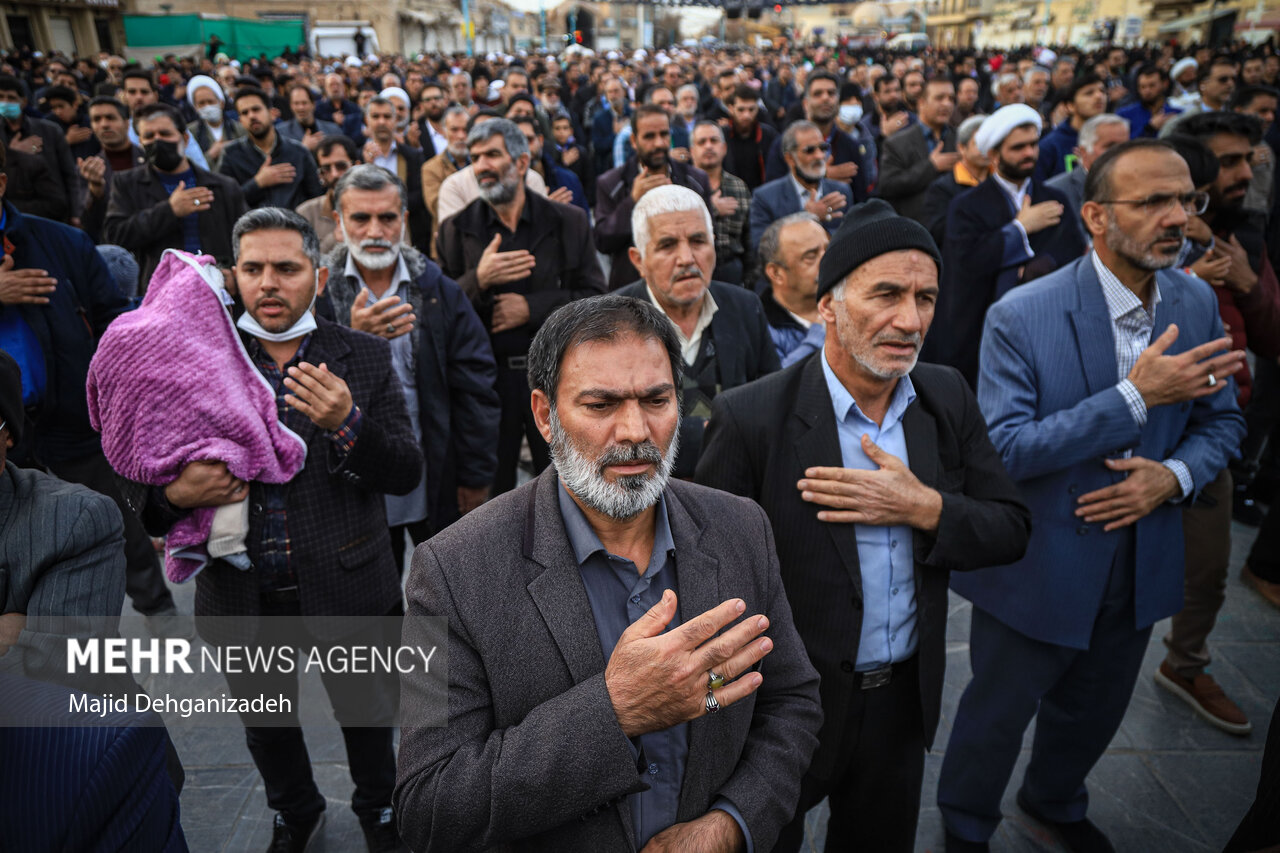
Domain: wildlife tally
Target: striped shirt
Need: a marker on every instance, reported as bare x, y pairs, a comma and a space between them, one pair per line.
1132, 326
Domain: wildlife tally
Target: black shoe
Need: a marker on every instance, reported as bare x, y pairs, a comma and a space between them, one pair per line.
294, 837
1245, 509
380, 833
1078, 836
956, 844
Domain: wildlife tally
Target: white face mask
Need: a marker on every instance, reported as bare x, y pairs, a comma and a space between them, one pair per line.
212, 114
851, 114
304, 325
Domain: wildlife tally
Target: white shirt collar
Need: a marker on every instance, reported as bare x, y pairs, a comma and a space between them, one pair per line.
1120, 299
689, 345
1016, 192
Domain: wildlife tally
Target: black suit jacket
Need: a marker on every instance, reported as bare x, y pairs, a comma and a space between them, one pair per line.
337, 521
973, 261
140, 219
906, 170
566, 266
613, 212
759, 442
744, 353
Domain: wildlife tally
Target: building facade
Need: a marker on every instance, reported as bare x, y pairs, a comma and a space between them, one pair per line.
71, 27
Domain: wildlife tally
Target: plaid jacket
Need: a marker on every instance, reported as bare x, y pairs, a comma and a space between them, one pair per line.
340, 548
729, 228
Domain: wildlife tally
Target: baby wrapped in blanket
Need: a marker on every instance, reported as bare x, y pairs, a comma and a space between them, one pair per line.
171, 384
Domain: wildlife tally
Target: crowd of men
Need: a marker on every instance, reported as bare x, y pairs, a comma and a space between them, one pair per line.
1006, 323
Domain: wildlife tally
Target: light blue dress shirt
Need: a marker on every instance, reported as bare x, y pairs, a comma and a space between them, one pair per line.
885, 554
619, 595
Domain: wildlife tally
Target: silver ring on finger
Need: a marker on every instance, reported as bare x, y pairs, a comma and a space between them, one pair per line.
714, 680
391, 328
711, 704
196, 202
1213, 380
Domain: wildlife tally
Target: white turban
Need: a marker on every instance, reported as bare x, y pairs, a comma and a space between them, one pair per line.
396, 92
200, 81
1182, 65
1002, 122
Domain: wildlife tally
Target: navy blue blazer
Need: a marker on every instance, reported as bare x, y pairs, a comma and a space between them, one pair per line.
776, 199
981, 260
1048, 390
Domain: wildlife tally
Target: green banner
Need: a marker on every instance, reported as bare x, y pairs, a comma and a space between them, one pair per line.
243, 38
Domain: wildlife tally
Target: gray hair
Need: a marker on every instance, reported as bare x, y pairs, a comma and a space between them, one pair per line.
771, 240
789, 144
511, 135
378, 101
1033, 71
367, 176
707, 123
968, 128
463, 74
1089, 130
276, 219
671, 198
456, 110
600, 318
690, 87
997, 82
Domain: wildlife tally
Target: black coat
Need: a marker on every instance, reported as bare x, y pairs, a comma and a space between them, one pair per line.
613, 212
906, 170
566, 266
94, 217
744, 352
973, 261
33, 188
455, 375
56, 154
937, 200
140, 219
241, 160
762, 438
341, 549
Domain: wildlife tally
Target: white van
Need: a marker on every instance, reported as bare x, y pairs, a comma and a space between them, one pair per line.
908, 42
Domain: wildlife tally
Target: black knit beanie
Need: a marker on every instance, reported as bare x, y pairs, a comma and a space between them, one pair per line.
869, 230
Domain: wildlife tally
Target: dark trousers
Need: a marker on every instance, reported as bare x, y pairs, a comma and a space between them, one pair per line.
1260, 828
144, 579
418, 531
1264, 556
1206, 533
874, 792
280, 753
1077, 696
515, 424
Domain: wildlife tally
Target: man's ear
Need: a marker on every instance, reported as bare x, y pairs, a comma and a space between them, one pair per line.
1094, 216
541, 405
634, 254
827, 308
322, 279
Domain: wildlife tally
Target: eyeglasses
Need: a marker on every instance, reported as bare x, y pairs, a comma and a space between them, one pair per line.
810, 149
1193, 204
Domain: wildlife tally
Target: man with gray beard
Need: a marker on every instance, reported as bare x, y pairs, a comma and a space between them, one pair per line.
601, 621
518, 256
880, 481
439, 350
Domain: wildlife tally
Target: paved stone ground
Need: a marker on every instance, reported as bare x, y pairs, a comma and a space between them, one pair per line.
1168, 783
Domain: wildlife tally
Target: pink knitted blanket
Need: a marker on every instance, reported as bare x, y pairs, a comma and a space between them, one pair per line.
171, 383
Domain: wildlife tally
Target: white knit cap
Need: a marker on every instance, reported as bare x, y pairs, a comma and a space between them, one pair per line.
396, 92
200, 81
1182, 65
1002, 122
